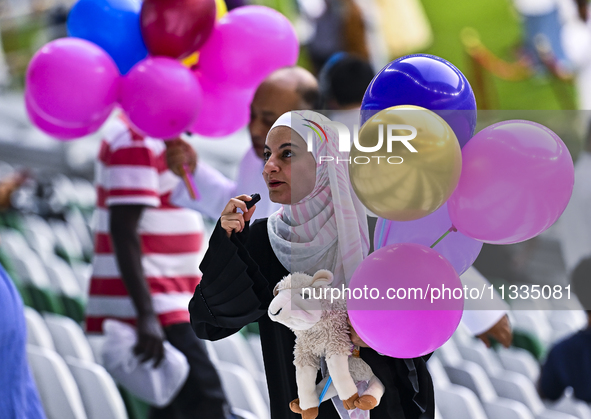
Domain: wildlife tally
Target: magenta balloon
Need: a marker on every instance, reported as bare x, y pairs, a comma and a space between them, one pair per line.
161, 97
405, 327
226, 111
73, 83
459, 250
516, 181
247, 45
57, 131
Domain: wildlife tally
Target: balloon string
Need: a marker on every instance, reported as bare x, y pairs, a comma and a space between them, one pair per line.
383, 234
190, 184
451, 229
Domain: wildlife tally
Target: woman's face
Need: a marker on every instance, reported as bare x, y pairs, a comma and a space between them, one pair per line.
286, 153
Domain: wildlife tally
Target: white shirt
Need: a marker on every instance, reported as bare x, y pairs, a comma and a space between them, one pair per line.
216, 189
575, 222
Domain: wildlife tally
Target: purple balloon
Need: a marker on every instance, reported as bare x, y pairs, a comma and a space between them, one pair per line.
247, 45
427, 81
517, 178
72, 83
161, 97
459, 250
415, 322
57, 131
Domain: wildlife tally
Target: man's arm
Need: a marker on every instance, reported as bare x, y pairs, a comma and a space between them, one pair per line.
124, 220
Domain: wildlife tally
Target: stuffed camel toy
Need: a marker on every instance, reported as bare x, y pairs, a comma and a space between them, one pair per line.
321, 329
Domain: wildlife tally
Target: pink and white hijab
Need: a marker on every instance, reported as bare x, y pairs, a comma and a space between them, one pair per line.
328, 228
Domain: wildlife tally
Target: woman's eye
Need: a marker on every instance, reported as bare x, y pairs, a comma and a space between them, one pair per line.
305, 296
287, 153
266, 156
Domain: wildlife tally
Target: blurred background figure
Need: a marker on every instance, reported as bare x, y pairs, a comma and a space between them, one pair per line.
8, 186
405, 27
576, 40
343, 81
575, 222
18, 395
145, 267
569, 361
542, 26
340, 27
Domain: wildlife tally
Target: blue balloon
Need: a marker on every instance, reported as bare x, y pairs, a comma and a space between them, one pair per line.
427, 81
113, 25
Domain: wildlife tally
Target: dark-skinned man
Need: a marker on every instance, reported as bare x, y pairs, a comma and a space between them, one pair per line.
145, 269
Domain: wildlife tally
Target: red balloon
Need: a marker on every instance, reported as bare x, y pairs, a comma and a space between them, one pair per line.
176, 28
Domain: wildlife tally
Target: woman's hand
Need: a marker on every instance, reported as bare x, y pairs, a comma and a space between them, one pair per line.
355, 337
232, 220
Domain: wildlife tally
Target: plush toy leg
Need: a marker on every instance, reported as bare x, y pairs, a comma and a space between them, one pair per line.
311, 413
306, 381
372, 396
338, 368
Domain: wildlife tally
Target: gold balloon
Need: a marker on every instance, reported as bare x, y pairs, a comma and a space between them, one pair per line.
403, 185
221, 9
191, 60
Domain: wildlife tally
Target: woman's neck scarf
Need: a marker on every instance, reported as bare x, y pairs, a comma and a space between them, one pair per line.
328, 228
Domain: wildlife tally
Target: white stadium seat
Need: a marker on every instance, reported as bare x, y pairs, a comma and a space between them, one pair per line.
458, 402
506, 409
68, 337
242, 390
521, 361
99, 392
59, 395
471, 375
37, 332
236, 350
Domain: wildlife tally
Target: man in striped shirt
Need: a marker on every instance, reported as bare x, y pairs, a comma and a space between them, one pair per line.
146, 264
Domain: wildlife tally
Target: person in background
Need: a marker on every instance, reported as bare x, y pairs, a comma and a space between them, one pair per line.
9, 185
343, 81
145, 268
569, 362
18, 395
575, 222
284, 90
339, 28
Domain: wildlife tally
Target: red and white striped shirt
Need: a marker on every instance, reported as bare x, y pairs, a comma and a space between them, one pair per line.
132, 170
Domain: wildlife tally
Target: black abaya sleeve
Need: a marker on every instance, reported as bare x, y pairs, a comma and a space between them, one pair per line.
232, 292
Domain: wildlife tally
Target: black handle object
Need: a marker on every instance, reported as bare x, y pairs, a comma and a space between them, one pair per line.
255, 198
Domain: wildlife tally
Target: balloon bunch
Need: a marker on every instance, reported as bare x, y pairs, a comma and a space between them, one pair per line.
172, 66
454, 192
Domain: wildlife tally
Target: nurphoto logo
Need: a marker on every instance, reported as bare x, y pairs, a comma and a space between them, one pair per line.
390, 132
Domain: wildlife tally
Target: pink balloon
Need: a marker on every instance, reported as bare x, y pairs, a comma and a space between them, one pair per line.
405, 327
57, 131
161, 97
226, 110
459, 250
516, 181
247, 45
72, 83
